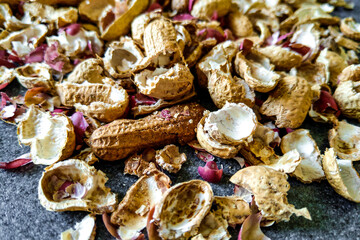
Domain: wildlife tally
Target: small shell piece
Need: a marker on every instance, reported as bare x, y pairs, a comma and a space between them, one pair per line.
139, 24
84, 230
89, 70
269, 188
342, 176
225, 88
233, 124
205, 9
283, 58
35, 75
289, 102
345, 140
160, 42
350, 73
131, 213
165, 83
286, 163
257, 71
120, 25
73, 185
6, 76
123, 58
233, 209
182, 208
101, 101
87, 155
212, 227
211, 145
24, 41
350, 28
92, 9
309, 36
140, 164
347, 97
170, 159
239, 24
52, 138
310, 167
219, 58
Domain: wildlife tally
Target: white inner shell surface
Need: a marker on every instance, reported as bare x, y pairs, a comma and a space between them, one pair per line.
349, 133
350, 178
235, 121
83, 230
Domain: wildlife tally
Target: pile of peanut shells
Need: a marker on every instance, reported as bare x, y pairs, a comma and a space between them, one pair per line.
111, 80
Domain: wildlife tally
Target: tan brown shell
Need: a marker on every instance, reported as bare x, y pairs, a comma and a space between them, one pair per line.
289, 102
123, 58
213, 227
232, 209
239, 24
269, 188
310, 167
180, 5
232, 125
342, 176
92, 9
308, 35
225, 88
86, 155
51, 138
47, 14
350, 73
204, 9
160, 42
282, 58
313, 73
121, 25
219, 58
19, 41
211, 145
131, 213
163, 83
86, 229
170, 159
95, 197
6, 75
350, 28
347, 97
139, 24
257, 71
101, 101
344, 138
90, 70
286, 163
182, 208
35, 75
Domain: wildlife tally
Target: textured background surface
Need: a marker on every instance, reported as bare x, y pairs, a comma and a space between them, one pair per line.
22, 217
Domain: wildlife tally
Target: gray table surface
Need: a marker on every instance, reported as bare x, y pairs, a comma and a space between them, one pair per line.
22, 217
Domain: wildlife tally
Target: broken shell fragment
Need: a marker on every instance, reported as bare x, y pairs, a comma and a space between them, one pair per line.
344, 138
286, 163
269, 188
350, 28
35, 75
101, 101
123, 58
283, 58
6, 76
350, 73
257, 71
182, 208
347, 97
90, 70
51, 138
233, 124
205, 9
170, 159
225, 88
342, 176
164, 83
239, 24
233, 209
73, 185
289, 102
131, 213
139, 164
310, 167
84, 230
212, 227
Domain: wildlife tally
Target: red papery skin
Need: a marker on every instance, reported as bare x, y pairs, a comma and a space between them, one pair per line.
299, 48
51, 55
205, 156
207, 33
141, 99
210, 172
37, 55
151, 227
183, 17
246, 46
72, 29
250, 229
326, 104
191, 4
165, 114
80, 126
276, 38
153, 7
17, 163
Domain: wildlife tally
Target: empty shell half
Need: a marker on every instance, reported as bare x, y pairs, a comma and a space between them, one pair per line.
35, 75
182, 208
73, 185
52, 138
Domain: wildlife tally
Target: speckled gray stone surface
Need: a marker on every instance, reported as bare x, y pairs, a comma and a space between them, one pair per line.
22, 217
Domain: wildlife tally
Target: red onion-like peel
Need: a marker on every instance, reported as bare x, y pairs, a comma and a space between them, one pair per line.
151, 228
250, 229
210, 172
16, 163
112, 229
